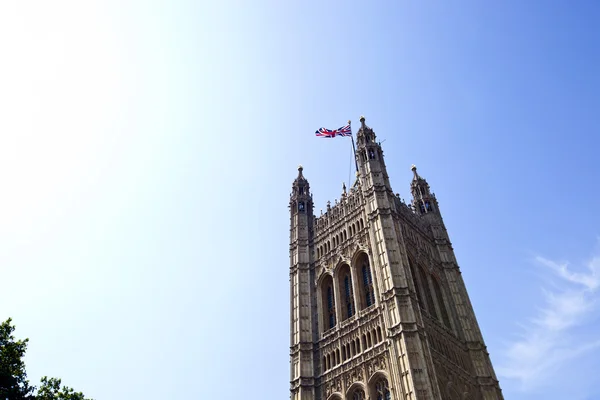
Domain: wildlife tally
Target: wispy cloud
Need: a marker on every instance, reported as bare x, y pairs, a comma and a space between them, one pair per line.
557, 332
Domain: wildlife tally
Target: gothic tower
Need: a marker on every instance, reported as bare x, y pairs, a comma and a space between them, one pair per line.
379, 310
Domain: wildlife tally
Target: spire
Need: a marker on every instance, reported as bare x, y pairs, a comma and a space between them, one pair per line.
300, 197
416, 176
423, 200
365, 134
300, 181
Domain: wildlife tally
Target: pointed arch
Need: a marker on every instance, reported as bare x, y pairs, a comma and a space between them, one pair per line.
327, 303
346, 287
424, 277
365, 280
379, 387
441, 302
416, 281
356, 391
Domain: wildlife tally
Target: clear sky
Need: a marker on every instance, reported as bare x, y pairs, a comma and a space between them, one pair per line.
147, 151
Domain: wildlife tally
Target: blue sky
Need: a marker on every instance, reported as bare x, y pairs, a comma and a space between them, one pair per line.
147, 151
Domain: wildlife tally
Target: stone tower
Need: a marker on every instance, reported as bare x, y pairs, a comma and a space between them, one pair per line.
379, 309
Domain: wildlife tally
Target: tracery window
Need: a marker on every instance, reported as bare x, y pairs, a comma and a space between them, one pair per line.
330, 307
442, 304
416, 281
349, 296
358, 394
347, 292
428, 295
382, 390
327, 317
368, 285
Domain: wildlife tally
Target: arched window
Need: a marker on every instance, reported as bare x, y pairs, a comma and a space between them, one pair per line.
330, 307
382, 390
358, 394
416, 282
440, 298
357, 345
366, 293
328, 303
379, 335
425, 281
368, 285
345, 283
349, 296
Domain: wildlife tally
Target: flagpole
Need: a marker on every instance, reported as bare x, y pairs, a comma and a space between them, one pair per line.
353, 147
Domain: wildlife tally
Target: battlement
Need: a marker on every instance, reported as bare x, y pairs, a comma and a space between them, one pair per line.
409, 214
349, 204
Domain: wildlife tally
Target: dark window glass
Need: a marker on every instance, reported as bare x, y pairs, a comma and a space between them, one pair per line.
359, 394
330, 307
382, 390
368, 284
349, 296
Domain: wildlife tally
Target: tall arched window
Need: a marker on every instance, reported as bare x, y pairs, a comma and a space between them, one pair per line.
428, 295
366, 290
440, 298
368, 285
416, 282
358, 394
345, 284
382, 390
328, 303
349, 296
330, 307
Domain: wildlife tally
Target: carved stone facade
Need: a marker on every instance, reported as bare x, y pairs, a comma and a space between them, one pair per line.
379, 309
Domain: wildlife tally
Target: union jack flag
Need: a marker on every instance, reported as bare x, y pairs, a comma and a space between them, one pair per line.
331, 133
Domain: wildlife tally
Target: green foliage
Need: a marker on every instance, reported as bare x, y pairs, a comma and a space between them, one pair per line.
51, 390
13, 378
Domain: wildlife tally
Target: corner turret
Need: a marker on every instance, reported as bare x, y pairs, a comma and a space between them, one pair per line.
423, 200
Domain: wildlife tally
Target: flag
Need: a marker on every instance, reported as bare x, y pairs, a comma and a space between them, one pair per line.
329, 133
